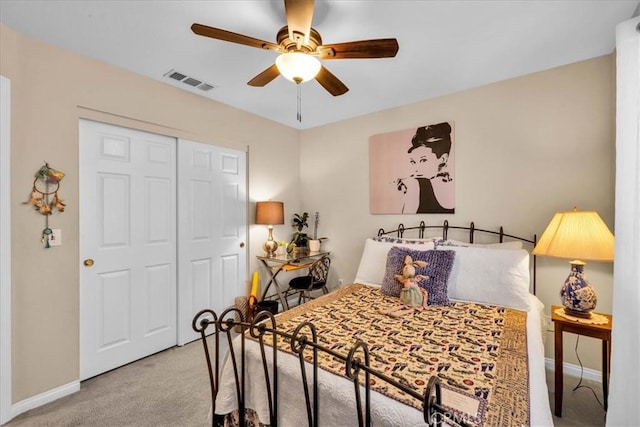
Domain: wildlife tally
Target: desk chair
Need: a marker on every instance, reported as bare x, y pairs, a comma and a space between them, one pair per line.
316, 279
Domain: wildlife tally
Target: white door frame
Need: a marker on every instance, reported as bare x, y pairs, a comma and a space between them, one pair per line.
5, 251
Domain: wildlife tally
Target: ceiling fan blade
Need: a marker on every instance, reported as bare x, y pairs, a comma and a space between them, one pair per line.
378, 48
265, 77
217, 33
299, 17
331, 83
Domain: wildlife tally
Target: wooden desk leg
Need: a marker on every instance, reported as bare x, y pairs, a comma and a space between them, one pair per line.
606, 354
558, 369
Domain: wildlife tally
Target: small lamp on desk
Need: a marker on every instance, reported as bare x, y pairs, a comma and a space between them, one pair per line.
577, 235
270, 213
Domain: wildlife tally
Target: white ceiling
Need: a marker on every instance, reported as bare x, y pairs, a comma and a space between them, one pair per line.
445, 46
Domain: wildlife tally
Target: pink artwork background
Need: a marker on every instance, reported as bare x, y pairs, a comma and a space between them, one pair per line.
389, 162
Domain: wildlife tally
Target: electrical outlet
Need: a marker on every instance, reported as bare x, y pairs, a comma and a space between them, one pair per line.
340, 282
55, 238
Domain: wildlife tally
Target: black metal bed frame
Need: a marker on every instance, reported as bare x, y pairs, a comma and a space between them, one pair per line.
207, 323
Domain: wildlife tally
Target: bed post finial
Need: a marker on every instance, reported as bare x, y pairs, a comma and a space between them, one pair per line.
380, 232
445, 229
421, 232
472, 228
502, 234
400, 229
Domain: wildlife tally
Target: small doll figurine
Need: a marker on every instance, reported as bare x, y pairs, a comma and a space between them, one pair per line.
412, 294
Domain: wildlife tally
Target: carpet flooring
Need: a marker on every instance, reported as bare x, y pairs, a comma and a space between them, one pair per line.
581, 407
171, 389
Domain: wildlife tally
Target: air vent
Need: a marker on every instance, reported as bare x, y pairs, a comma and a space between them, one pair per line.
205, 87
176, 76
191, 81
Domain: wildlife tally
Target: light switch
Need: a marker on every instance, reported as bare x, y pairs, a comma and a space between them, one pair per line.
55, 238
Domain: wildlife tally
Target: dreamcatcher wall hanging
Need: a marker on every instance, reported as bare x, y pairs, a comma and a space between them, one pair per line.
44, 197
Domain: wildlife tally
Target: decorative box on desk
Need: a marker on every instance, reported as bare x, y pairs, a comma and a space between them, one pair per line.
275, 264
598, 326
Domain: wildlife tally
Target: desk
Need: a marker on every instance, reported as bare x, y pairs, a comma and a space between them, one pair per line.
275, 264
602, 331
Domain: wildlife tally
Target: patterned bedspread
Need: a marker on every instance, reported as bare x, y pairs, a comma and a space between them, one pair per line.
479, 352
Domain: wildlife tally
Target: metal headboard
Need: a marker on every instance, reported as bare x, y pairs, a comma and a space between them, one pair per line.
445, 227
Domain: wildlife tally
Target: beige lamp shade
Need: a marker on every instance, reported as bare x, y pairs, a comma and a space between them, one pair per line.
269, 213
581, 235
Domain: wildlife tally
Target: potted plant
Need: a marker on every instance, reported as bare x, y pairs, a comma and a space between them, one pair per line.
299, 239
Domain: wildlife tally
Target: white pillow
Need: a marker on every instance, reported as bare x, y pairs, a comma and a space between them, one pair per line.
374, 259
488, 276
514, 244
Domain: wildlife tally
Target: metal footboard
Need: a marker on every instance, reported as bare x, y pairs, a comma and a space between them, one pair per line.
207, 323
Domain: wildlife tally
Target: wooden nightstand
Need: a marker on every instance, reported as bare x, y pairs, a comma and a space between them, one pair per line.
600, 331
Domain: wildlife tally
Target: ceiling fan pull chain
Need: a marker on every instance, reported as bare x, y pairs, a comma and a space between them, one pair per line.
299, 95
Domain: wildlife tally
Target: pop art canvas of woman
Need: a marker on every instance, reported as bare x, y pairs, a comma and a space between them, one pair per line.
412, 171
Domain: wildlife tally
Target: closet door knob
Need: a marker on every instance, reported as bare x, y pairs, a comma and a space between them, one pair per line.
242, 244
88, 262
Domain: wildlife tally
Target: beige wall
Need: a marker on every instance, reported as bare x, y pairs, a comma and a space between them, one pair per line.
525, 148
51, 90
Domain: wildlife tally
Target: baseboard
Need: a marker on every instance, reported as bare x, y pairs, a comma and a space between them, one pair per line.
44, 398
574, 370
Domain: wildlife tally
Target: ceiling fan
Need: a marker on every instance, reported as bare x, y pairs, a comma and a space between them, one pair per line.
300, 47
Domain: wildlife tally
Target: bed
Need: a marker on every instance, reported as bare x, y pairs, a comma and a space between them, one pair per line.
474, 357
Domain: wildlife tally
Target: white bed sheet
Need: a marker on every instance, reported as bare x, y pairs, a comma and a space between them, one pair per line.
337, 401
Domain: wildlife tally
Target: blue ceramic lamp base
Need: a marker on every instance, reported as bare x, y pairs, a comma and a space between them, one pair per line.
578, 297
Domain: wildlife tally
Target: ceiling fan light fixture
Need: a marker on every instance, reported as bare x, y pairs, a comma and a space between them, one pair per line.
297, 66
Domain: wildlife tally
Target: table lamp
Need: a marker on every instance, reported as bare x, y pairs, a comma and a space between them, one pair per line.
580, 236
270, 213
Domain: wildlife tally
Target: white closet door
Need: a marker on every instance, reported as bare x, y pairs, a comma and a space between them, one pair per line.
128, 231
212, 212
